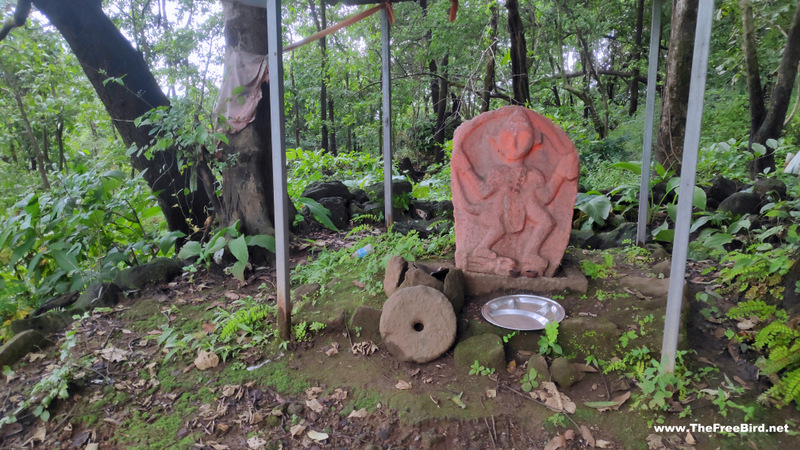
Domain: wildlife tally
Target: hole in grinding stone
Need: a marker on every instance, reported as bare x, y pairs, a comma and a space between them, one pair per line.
418, 326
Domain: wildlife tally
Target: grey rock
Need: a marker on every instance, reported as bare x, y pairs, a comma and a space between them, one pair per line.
418, 324
583, 336
487, 349
614, 238
741, 203
651, 287
416, 276
538, 363
359, 195
721, 188
579, 238
98, 295
295, 408
399, 187
62, 301
340, 214
327, 189
573, 279
663, 268
563, 372
764, 186
396, 269
365, 324
454, 289
157, 271
20, 345
49, 322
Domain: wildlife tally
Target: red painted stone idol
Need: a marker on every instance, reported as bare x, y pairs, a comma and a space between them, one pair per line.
514, 181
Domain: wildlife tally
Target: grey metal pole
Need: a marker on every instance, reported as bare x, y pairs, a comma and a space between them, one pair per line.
649, 112
386, 81
691, 144
278, 133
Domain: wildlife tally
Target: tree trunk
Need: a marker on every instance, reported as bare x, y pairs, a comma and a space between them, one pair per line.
323, 90
247, 194
488, 77
637, 56
441, 114
62, 161
519, 64
296, 106
39, 161
13, 152
672, 126
772, 124
105, 54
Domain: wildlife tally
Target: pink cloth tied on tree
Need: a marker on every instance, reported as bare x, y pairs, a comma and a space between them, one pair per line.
241, 88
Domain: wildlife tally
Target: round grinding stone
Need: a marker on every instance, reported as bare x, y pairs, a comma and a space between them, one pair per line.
418, 324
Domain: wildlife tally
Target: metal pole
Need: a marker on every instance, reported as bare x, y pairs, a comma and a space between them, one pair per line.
691, 145
386, 81
649, 112
278, 137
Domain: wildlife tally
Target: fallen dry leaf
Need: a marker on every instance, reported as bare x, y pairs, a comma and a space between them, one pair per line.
689, 438
705, 360
313, 392
365, 348
315, 405
553, 399
206, 360
585, 368
600, 443
297, 429
747, 324
491, 393
208, 327
586, 434
556, 443
741, 381
256, 443
333, 350
359, 284
33, 357
317, 436
114, 354
360, 414
569, 434
232, 295
654, 442
403, 385
40, 434
92, 446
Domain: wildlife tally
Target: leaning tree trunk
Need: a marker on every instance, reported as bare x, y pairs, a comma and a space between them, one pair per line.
636, 57
519, 64
672, 127
247, 181
491, 52
772, 124
105, 54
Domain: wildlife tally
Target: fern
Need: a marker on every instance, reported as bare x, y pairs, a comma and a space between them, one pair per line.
776, 333
752, 308
243, 319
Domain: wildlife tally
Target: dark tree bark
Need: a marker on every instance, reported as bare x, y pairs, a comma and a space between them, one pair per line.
488, 77
672, 126
247, 193
105, 53
13, 151
519, 63
441, 114
60, 141
323, 89
750, 49
636, 57
772, 125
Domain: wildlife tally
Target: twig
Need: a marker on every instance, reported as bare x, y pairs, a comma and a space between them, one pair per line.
347, 330
490, 432
605, 383
113, 329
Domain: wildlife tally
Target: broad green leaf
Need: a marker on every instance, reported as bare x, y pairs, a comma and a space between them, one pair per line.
772, 143
596, 206
702, 220
320, 212
262, 240
758, 149
717, 240
672, 212
21, 251
66, 261
724, 146
238, 270
673, 183
190, 250
699, 199
238, 248
633, 167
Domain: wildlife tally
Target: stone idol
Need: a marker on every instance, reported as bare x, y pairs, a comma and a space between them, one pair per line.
514, 180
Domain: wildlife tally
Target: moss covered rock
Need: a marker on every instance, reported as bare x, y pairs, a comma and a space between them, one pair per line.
487, 349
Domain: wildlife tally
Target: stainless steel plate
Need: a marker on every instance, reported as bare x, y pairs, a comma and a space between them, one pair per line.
522, 312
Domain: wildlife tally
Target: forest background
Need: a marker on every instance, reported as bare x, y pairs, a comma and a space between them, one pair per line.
106, 102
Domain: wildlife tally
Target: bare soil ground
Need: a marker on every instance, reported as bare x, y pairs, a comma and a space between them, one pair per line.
336, 391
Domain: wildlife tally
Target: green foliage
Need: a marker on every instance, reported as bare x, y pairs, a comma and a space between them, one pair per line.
303, 331
757, 271
528, 381
595, 270
548, 343
596, 208
235, 242
752, 308
477, 369
87, 227
329, 264
321, 213
251, 318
